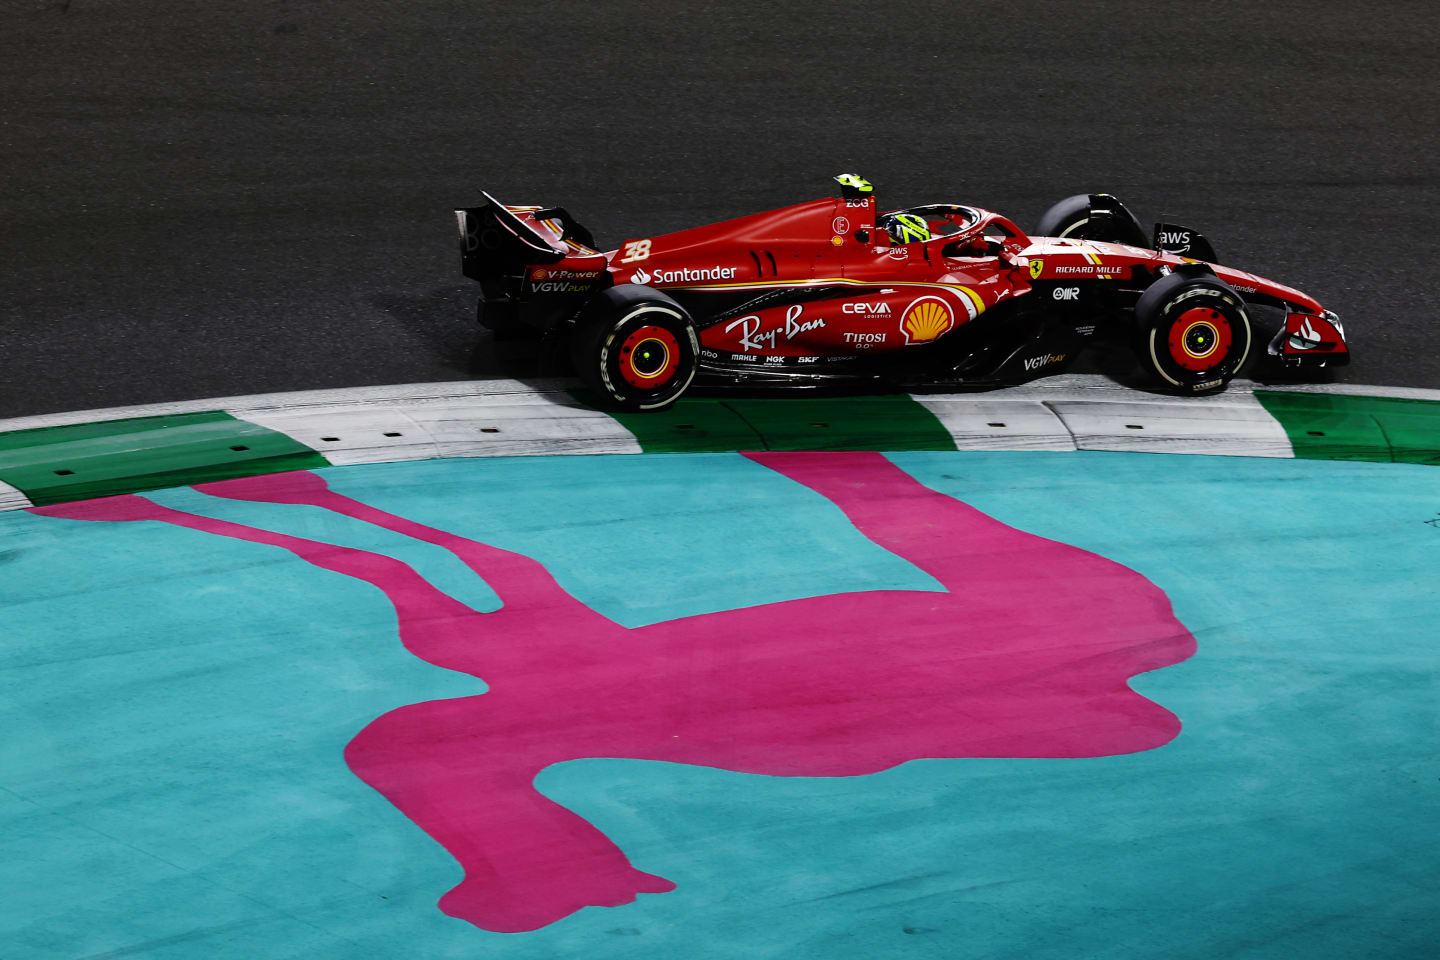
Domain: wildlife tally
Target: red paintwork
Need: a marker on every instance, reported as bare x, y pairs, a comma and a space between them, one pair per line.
577, 273
1218, 327
633, 374
804, 245
1089, 259
1308, 326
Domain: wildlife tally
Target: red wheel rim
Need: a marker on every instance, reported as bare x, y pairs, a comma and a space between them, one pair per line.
1199, 339
649, 357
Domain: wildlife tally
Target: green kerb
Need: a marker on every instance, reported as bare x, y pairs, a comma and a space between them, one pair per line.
709, 424
87, 460
1333, 427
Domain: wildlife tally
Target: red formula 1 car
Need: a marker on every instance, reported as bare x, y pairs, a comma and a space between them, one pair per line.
938, 295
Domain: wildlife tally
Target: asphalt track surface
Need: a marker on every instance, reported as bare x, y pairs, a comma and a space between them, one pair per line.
219, 198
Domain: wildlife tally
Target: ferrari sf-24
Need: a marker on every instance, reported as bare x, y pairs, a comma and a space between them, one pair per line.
835, 291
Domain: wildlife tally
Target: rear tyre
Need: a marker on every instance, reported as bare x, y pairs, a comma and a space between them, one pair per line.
1072, 218
1193, 333
635, 347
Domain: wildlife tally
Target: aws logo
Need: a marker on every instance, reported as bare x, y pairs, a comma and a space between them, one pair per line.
1175, 241
926, 319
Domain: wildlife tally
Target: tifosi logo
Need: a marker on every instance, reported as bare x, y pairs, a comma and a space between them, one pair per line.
867, 309
1176, 241
683, 275
1065, 293
1035, 363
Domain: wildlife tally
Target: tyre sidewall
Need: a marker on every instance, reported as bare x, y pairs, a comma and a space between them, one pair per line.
597, 349
1064, 217
1158, 316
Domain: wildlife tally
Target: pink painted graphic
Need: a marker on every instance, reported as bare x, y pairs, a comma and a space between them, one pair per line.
1028, 654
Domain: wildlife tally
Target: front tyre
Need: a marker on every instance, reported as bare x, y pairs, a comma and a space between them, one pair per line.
1193, 332
635, 347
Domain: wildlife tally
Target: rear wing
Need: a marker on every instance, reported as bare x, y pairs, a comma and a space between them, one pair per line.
495, 241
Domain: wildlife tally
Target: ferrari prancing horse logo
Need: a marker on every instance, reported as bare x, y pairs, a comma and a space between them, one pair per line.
1035, 267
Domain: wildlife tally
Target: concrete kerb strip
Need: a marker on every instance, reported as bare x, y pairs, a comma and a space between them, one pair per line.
66, 456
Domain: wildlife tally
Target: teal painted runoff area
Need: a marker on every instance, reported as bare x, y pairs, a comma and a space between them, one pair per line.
174, 706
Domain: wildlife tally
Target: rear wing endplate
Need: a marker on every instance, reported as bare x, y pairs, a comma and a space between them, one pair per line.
493, 240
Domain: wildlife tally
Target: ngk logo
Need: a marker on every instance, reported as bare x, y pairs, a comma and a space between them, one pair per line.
1065, 293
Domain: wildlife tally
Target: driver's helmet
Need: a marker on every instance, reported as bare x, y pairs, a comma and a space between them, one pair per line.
906, 227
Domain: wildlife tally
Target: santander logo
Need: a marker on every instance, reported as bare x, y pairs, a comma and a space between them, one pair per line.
684, 275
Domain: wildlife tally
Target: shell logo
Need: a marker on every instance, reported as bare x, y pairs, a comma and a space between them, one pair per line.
926, 319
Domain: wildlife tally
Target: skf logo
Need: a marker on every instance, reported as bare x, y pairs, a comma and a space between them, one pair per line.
926, 319
1065, 293
1035, 267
